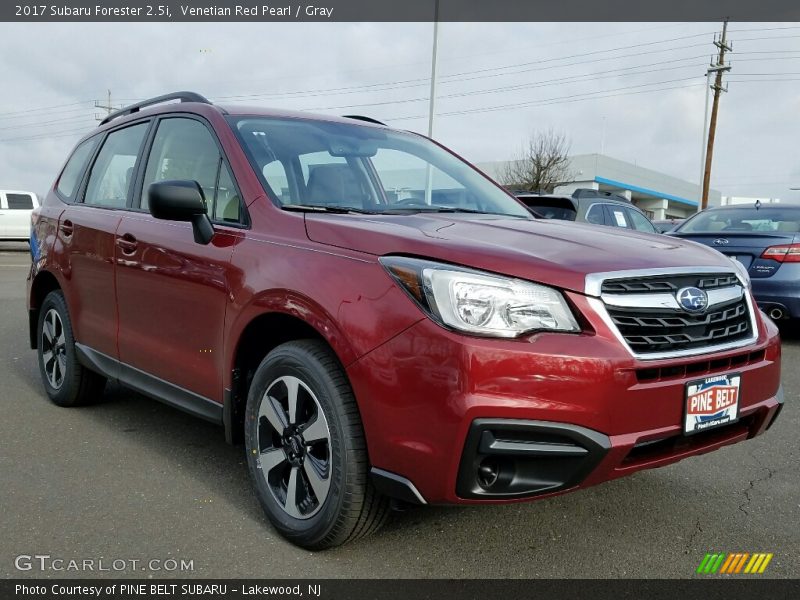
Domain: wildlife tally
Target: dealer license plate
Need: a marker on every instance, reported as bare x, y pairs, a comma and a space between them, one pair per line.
711, 402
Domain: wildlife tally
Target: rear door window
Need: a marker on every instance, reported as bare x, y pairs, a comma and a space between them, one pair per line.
19, 201
74, 169
617, 216
112, 173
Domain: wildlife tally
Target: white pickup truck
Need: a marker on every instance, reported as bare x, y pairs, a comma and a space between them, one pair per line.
15, 214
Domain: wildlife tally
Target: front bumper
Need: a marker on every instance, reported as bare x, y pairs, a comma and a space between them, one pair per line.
546, 458
423, 393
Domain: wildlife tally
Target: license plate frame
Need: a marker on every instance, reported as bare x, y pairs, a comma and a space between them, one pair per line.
711, 402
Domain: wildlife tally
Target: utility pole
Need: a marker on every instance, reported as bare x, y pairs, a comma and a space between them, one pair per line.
719, 68
432, 102
106, 107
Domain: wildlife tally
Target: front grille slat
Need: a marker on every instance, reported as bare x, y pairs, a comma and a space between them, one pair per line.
670, 283
659, 330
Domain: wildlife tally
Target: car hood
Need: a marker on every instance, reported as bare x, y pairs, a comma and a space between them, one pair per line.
557, 253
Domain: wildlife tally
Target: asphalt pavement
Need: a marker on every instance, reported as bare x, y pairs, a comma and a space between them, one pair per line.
132, 480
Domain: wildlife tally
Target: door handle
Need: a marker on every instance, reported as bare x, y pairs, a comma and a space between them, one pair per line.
127, 243
66, 228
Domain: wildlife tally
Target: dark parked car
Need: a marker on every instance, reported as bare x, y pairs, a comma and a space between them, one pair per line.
588, 206
765, 239
376, 319
665, 225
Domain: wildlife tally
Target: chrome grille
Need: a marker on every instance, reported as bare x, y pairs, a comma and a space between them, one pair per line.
649, 319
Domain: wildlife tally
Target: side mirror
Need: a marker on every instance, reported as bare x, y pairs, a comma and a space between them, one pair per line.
181, 200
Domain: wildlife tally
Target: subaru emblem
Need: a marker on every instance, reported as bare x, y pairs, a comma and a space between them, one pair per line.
720, 242
692, 299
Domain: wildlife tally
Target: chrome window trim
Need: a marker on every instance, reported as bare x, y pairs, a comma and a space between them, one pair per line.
594, 283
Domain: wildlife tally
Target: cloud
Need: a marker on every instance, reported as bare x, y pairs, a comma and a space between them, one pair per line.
561, 71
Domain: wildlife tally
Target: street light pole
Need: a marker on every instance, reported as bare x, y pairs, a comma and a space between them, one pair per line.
703, 146
432, 101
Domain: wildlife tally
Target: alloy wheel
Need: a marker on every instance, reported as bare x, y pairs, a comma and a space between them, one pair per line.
294, 447
54, 349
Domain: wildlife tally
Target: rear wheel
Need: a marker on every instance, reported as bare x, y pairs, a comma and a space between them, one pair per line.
66, 381
306, 449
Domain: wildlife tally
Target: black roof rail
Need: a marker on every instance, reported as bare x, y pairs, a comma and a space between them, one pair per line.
363, 118
133, 108
592, 193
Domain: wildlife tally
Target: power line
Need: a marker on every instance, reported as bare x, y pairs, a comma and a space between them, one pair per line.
763, 80
469, 75
44, 108
423, 82
44, 136
452, 76
548, 102
552, 59
575, 79
50, 113
40, 124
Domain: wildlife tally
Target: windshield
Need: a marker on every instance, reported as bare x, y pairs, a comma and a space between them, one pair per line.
743, 220
341, 166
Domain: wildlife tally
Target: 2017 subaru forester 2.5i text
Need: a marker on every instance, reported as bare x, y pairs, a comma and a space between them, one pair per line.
375, 319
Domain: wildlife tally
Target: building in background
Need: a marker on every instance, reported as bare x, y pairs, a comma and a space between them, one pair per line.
659, 195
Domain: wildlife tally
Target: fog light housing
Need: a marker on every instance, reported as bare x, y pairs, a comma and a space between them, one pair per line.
509, 458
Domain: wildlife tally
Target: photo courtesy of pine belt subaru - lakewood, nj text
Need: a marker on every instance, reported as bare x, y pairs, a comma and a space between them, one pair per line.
377, 321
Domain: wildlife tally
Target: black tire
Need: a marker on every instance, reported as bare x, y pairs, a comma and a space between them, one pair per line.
78, 385
351, 508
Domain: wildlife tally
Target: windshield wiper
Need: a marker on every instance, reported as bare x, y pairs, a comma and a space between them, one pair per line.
457, 209
339, 210
393, 210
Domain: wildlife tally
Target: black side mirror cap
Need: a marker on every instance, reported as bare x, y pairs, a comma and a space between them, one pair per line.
181, 200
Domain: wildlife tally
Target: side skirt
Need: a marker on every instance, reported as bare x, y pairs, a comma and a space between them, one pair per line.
149, 385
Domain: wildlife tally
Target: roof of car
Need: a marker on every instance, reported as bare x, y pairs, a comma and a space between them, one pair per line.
195, 103
261, 111
763, 206
233, 110
535, 195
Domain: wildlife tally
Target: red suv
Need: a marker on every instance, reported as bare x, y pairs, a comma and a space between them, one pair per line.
375, 319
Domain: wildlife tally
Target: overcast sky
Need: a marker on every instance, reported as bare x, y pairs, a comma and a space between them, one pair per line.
633, 89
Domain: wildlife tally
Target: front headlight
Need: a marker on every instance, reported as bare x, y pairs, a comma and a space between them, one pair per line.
481, 303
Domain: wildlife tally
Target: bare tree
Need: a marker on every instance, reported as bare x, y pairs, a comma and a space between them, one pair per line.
542, 163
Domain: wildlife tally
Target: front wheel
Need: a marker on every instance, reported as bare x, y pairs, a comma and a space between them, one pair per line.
306, 449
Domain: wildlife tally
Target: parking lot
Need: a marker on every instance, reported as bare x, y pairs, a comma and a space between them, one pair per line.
133, 479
